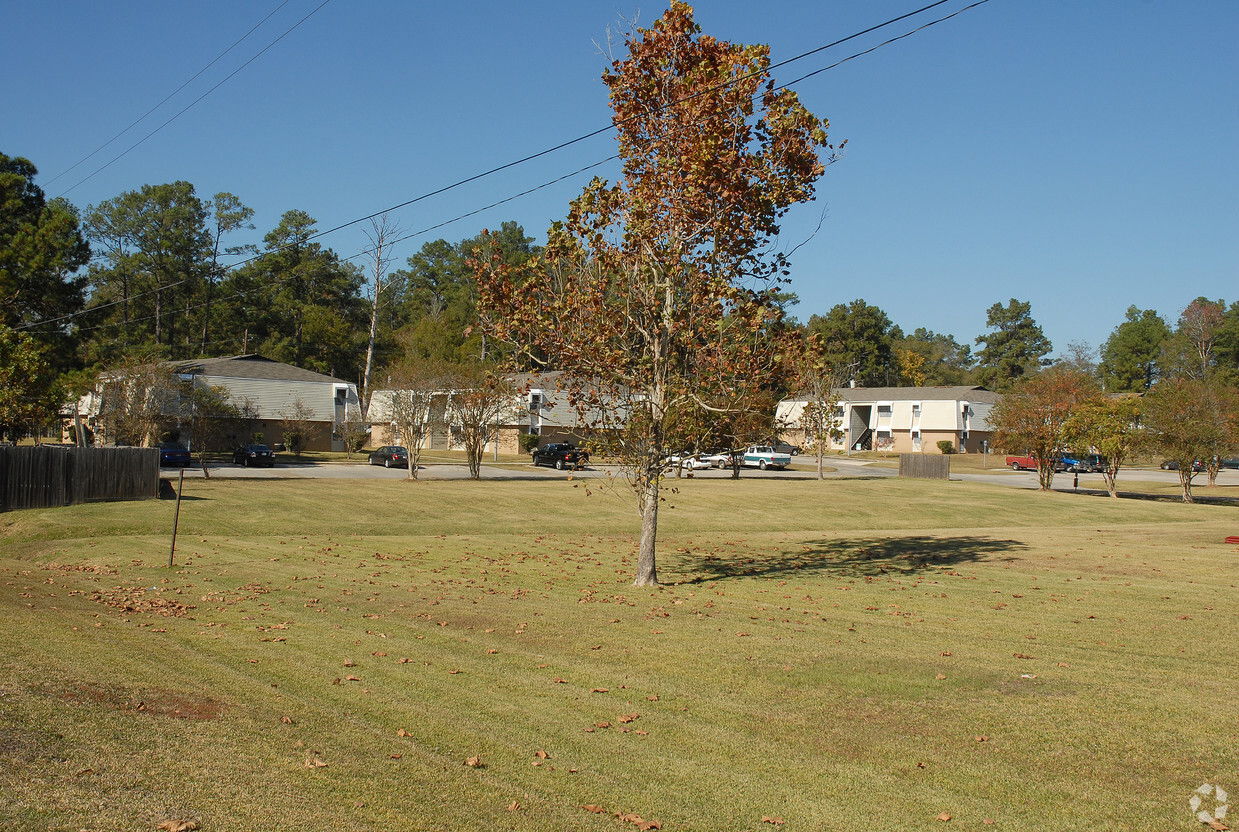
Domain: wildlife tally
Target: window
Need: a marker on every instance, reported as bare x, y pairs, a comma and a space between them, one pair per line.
884, 409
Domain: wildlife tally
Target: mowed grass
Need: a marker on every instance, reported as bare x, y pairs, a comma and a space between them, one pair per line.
834, 655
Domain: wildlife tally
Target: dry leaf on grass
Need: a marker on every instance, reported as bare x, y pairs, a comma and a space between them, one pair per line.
286, 719
352, 678
400, 732
592, 807
514, 806
314, 762
178, 825
542, 755
603, 724
599, 690
475, 762
350, 663
944, 816
626, 718
776, 821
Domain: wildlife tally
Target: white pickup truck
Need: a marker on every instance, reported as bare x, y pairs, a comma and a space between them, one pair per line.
763, 457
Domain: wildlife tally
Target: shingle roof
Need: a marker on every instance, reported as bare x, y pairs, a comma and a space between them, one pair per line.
250, 366
970, 393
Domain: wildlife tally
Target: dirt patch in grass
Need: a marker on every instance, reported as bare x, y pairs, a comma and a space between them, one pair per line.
152, 702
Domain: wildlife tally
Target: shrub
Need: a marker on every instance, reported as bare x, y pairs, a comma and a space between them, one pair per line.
529, 442
946, 446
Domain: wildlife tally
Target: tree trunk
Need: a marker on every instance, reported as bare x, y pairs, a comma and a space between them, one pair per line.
647, 570
1111, 478
1185, 480
821, 452
1045, 474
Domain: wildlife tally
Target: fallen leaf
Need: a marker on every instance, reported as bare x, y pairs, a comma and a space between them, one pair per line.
599, 690
379, 653
940, 676
646, 825
542, 755
357, 804
777, 821
314, 762
982, 738
178, 825
1063, 664
1218, 825
603, 724
352, 678
286, 719
400, 732
943, 816
988, 821
626, 718
475, 762
592, 807
1021, 656
350, 663
514, 806
652, 698
559, 681
393, 756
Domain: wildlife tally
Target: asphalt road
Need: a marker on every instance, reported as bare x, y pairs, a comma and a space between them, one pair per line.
804, 469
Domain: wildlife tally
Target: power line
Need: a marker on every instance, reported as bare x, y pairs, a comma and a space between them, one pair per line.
166, 98
533, 156
191, 104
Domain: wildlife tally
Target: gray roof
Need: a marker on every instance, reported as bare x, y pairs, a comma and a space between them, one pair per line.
250, 366
958, 393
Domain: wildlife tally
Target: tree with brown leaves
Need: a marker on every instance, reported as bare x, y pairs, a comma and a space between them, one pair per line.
657, 297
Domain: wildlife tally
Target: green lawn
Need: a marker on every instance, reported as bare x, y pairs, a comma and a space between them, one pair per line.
841, 655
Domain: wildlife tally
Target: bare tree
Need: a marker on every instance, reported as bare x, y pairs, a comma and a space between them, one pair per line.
819, 383
382, 236
416, 407
299, 425
138, 399
478, 403
212, 420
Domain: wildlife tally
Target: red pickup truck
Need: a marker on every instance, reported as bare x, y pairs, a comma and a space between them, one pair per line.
1029, 463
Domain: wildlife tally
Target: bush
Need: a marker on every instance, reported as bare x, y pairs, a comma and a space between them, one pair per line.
946, 446
529, 442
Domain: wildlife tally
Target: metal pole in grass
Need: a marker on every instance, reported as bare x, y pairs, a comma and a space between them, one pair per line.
176, 518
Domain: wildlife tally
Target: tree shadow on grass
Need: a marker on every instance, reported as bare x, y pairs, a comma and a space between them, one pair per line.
856, 557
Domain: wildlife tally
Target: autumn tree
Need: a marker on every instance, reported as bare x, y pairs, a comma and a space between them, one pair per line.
1032, 417
1190, 419
415, 405
1110, 427
819, 383
479, 401
656, 287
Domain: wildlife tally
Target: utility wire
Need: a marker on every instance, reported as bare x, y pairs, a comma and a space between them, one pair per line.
533, 156
166, 98
191, 104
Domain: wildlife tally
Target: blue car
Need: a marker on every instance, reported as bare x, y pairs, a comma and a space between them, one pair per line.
173, 455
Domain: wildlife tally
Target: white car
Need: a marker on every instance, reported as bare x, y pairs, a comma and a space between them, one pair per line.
722, 459
687, 463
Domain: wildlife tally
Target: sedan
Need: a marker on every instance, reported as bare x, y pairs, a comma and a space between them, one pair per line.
173, 454
722, 459
254, 456
562, 455
687, 463
390, 456
1173, 465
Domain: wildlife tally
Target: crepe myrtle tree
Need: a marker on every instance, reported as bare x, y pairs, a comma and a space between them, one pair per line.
1109, 427
1189, 419
1032, 417
659, 291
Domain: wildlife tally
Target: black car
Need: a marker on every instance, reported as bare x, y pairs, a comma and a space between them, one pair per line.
173, 454
1232, 462
786, 448
562, 455
1173, 465
254, 456
390, 456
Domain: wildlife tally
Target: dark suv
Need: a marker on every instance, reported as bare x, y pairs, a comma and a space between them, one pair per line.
562, 455
254, 456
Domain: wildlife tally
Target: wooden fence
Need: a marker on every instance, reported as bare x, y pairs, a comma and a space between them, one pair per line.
51, 475
925, 466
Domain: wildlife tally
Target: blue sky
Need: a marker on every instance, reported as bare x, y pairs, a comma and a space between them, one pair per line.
1079, 154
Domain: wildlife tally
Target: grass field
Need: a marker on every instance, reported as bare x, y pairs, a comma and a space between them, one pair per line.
327, 655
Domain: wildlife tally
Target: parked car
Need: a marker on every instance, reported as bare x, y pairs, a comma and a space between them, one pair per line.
765, 456
1029, 463
719, 459
390, 456
255, 456
173, 454
1096, 463
561, 455
686, 462
1173, 465
786, 448
1233, 462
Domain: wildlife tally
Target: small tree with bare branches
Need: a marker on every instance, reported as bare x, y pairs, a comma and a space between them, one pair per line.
478, 403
